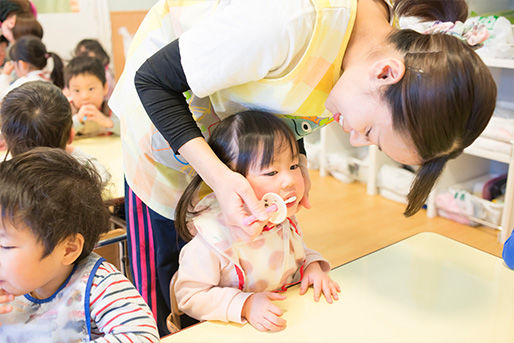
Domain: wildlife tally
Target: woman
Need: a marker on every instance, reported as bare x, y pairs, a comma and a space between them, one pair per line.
18, 18
421, 98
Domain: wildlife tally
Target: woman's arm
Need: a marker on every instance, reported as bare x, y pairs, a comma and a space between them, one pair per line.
160, 89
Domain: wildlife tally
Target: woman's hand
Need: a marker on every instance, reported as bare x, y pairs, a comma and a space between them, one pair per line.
238, 201
235, 195
321, 282
262, 314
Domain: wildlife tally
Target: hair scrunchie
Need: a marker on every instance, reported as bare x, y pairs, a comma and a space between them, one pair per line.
472, 33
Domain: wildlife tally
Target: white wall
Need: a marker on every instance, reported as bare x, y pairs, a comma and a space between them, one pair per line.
130, 5
490, 5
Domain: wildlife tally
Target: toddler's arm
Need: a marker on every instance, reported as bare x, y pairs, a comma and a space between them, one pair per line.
197, 286
118, 311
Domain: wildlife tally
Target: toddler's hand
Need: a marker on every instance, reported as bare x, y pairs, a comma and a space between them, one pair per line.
90, 112
8, 68
4, 299
262, 314
321, 282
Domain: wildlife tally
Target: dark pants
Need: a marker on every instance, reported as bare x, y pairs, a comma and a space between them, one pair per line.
153, 249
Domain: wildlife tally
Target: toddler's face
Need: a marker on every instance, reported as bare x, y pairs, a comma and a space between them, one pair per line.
87, 89
22, 270
283, 177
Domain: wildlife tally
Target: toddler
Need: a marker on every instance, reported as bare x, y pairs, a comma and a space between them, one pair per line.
93, 48
53, 287
87, 88
221, 278
38, 114
29, 58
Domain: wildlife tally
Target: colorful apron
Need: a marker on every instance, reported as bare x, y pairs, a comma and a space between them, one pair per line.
153, 171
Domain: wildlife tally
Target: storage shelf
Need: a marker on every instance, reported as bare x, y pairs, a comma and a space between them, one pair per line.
491, 155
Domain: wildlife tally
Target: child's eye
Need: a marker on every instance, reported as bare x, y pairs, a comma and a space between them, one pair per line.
6, 247
368, 132
271, 173
295, 166
91, 89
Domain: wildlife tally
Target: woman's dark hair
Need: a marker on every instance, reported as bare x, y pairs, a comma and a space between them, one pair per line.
35, 114
55, 196
93, 48
31, 49
18, 7
27, 26
84, 65
237, 141
445, 98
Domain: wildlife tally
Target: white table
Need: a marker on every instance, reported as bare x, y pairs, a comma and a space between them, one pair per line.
107, 150
426, 288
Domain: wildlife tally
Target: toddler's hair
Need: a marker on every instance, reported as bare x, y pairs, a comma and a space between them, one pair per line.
55, 196
84, 65
238, 141
35, 114
31, 49
90, 47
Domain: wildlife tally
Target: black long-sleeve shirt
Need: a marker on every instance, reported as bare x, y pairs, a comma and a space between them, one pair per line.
160, 83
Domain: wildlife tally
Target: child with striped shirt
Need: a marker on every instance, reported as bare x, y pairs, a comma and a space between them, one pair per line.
52, 286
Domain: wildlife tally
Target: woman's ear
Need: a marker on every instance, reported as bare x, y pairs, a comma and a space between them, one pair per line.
73, 246
387, 71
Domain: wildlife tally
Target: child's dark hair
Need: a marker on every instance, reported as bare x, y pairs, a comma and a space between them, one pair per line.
84, 65
35, 114
31, 49
237, 141
90, 47
55, 196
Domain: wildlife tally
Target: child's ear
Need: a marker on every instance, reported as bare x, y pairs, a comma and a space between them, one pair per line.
73, 246
72, 135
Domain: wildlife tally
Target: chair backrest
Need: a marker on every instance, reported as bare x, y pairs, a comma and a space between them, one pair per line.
173, 320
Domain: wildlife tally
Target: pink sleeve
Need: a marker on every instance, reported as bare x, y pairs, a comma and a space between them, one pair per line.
198, 289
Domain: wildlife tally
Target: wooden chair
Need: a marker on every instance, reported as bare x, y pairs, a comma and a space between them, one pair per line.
173, 320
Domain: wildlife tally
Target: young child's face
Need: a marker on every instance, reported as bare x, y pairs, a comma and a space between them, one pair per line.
87, 89
22, 268
283, 177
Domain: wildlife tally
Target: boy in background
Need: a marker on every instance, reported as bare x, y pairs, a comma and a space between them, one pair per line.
86, 89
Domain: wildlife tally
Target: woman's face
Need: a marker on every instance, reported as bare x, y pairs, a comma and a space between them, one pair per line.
356, 98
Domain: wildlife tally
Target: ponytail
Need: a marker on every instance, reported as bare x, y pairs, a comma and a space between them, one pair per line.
57, 75
443, 10
184, 208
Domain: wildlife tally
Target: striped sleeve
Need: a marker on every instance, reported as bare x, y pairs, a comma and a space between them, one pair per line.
118, 312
